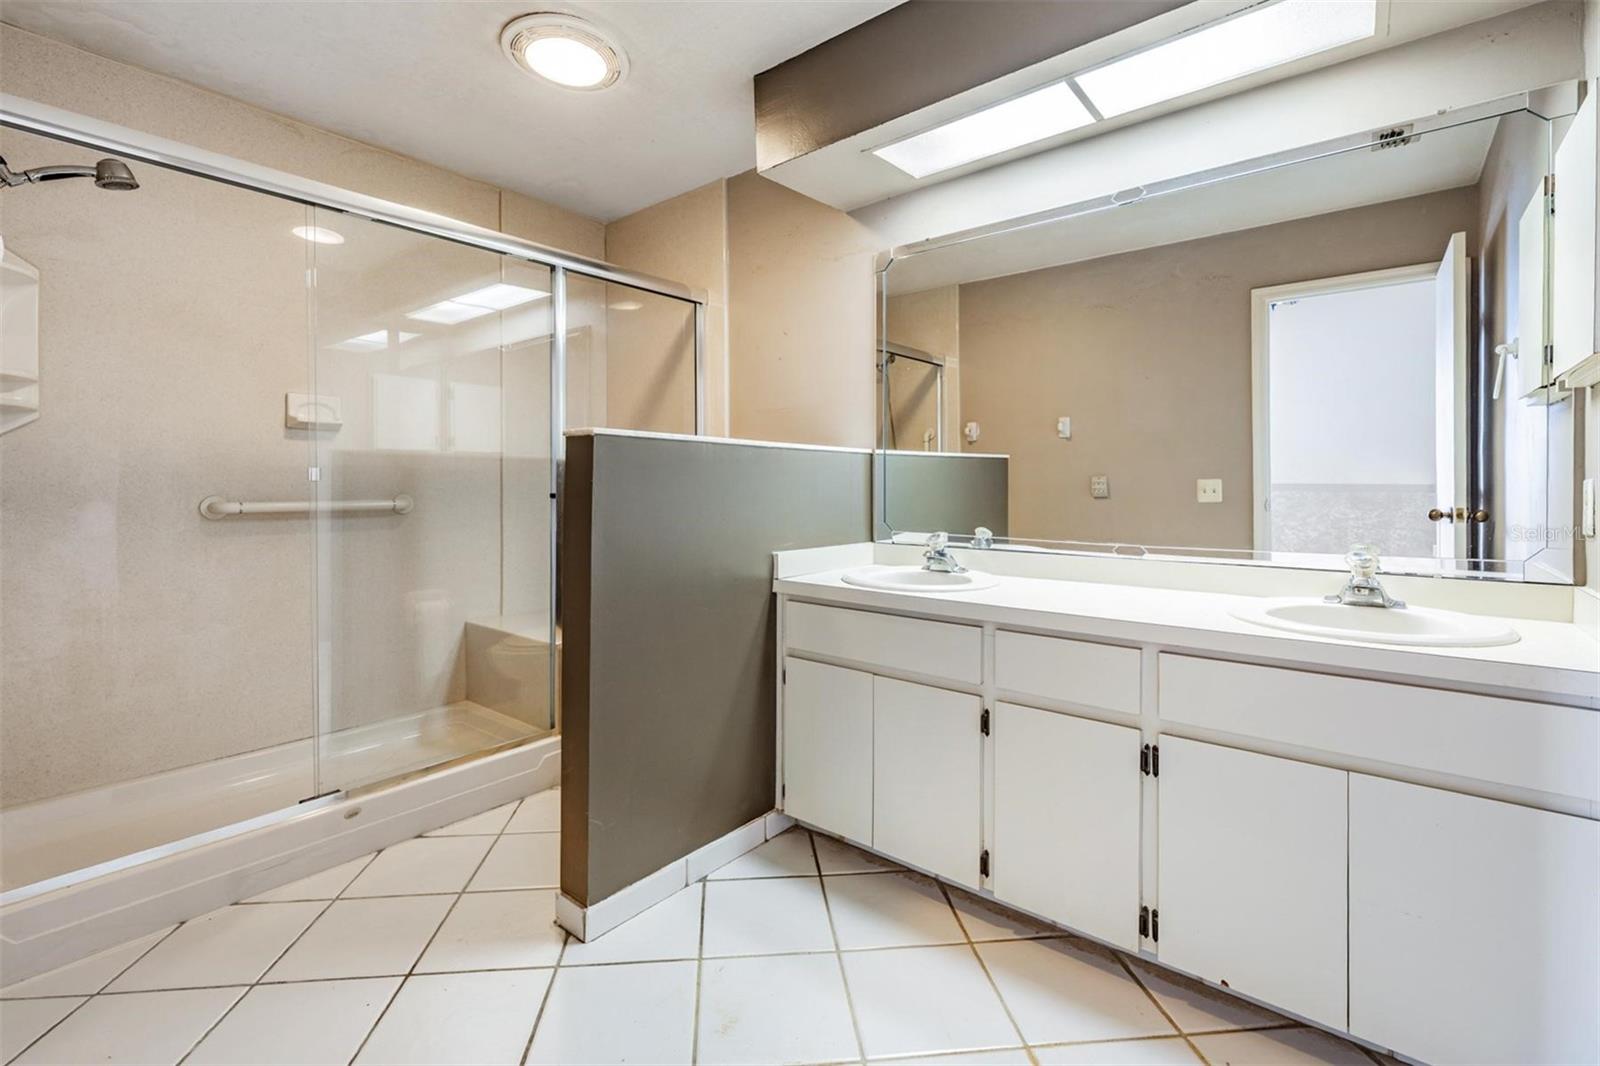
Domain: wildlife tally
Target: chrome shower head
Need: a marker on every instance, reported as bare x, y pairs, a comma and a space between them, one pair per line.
114, 174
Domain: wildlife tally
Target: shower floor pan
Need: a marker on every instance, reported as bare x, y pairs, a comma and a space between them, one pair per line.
49, 843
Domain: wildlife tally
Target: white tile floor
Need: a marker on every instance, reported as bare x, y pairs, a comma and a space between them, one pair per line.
443, 949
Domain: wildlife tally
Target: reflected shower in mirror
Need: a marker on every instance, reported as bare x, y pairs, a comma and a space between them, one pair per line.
1273, 363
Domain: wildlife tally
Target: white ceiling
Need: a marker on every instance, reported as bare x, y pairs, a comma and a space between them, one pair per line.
1446, 159
428, 79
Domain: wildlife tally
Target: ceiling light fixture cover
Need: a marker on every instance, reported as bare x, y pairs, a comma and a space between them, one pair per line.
1251, 41
564, 50
1011, 124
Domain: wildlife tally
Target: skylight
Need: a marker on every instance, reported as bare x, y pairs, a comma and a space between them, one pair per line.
1256, 39
497, 297
1021, 120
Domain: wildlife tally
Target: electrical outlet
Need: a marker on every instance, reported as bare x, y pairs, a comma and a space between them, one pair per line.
1208, 490
1099, 486
1588, 506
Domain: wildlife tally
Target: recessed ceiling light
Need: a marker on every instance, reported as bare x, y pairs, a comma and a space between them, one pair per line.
563, 50
497, 297
318, 235
1253, 40
1021, 120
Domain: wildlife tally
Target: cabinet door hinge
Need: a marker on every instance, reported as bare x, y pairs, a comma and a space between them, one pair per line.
983, 863
1149, 924
983, 722
1150, 760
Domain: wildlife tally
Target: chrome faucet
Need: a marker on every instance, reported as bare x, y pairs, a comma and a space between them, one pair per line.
938, 558
1363, 589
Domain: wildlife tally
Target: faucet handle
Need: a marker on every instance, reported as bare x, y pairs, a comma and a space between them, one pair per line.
938, 541
983, 537
1362, 559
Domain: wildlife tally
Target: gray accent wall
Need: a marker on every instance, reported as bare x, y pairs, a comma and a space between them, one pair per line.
669, 653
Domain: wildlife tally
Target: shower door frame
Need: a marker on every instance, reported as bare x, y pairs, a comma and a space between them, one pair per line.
30, 116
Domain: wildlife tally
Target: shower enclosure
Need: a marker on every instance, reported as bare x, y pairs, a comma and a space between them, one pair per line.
281, 523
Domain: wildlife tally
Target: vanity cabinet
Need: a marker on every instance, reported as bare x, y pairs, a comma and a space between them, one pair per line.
1066, 820
1252, 860
926, 777
1474, 927
1413, 864
827, 747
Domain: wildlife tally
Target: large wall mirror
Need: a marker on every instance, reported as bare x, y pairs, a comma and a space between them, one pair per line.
1275, 361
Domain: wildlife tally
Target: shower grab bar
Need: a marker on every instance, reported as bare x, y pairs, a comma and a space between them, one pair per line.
217, 508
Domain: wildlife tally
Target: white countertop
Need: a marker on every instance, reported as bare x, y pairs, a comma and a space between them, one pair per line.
1553, 661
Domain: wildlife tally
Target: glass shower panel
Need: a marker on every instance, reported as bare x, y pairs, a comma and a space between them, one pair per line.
630, 358
156, 666
432, 363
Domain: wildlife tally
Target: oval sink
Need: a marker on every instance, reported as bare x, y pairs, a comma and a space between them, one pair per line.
1413, 626
916, 579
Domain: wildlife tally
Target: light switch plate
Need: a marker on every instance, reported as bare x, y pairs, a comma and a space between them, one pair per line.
971, 432
1208, 490
1588, 506
1064, 428
1100, 486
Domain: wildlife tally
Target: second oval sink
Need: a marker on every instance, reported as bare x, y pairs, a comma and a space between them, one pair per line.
916, 579
1411, 626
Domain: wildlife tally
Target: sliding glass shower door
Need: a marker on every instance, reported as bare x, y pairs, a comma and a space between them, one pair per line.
431, 422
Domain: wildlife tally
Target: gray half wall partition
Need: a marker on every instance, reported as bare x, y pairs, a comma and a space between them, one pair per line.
668, 663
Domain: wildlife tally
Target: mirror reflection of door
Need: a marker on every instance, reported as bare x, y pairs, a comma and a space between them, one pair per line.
1361, 410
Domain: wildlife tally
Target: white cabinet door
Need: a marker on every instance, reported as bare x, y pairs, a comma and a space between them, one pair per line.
827, 747
926, 756
1066, 820
1252, 875
1474, 927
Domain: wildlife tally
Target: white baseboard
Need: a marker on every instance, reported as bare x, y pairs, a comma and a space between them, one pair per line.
50, 930
602, 916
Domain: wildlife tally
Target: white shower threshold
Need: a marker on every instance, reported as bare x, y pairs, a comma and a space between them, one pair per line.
42, 927
44, 844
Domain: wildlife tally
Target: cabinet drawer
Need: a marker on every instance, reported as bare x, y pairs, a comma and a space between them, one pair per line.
913, 645
1072, 671
1537, 746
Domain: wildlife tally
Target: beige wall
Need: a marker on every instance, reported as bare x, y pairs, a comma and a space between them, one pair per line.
800, 318
686, 239
137, 636
1149, 354
929, 321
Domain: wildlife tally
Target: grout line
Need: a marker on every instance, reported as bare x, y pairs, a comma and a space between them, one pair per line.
844, 978
544, 1000
264, 971
944, 891
1176, 1028
412, 969
699, 971
88, 998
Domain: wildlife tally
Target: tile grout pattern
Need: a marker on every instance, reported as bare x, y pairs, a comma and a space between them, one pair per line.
800, 874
